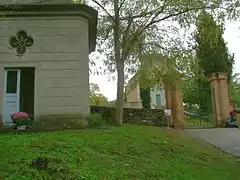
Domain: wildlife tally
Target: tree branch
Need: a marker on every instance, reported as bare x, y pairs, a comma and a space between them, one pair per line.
126, 52
152, 12
170, 16
139, 15
104, 9
125, 36
123, 1
153, 21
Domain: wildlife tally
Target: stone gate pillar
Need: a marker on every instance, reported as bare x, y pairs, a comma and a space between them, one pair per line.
224, 100
215, 100
220, 98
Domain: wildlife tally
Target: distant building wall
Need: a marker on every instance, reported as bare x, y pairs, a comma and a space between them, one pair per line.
158, 98
133, 99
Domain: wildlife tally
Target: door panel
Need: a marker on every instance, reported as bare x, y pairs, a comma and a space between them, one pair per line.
11, 94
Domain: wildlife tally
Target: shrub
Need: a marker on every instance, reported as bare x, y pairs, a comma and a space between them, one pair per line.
20, 118
133, 116
96, 119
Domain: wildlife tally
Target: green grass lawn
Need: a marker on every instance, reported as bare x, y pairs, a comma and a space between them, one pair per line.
128, 152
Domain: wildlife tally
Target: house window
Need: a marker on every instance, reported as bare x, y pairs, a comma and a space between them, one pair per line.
158, 99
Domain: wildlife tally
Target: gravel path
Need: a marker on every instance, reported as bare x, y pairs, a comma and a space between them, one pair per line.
226, 139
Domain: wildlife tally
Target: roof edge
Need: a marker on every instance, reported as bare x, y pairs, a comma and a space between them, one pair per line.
31, 10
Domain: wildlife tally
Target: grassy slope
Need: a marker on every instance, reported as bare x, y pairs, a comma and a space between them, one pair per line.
128, 152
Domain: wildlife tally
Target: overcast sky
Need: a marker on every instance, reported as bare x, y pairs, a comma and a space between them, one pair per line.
232, 37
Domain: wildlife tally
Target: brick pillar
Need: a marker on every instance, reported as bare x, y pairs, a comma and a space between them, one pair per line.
220, 98
224, 96
215, 101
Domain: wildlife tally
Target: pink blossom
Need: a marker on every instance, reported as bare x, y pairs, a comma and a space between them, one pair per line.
19, 115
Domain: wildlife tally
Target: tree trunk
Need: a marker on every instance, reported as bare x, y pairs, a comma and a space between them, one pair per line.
120, 93
120, 65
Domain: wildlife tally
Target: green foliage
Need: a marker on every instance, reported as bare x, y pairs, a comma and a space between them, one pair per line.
112, 103
93, 88
54, 166
204, 97
145, 97
234, 89
212, 56
211, 49
196, 91
144, 93
20, 118
128, 28
139, 32
97, 98
96, 119
158, 70
21, 121
127, 152
133, 116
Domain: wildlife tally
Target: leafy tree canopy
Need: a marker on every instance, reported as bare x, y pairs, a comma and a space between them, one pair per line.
128, 28
96, 98
211, 48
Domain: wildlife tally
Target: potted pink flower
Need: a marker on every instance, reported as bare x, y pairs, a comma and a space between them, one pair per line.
20, 119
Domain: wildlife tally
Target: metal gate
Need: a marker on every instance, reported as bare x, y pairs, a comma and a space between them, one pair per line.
199, 112
197, 121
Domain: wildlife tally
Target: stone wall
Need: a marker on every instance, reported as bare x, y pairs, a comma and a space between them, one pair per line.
133, 116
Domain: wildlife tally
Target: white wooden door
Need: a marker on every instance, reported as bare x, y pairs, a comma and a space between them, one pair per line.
11, 98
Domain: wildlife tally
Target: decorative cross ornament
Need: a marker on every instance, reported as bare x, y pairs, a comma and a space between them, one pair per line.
21, 42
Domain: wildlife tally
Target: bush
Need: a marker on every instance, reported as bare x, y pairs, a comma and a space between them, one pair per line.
20, 118
133, 116
96, 119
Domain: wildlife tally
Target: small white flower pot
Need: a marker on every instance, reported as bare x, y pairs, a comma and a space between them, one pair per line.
21, 128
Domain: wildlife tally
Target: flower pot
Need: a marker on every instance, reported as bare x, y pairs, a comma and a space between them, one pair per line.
21, 128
